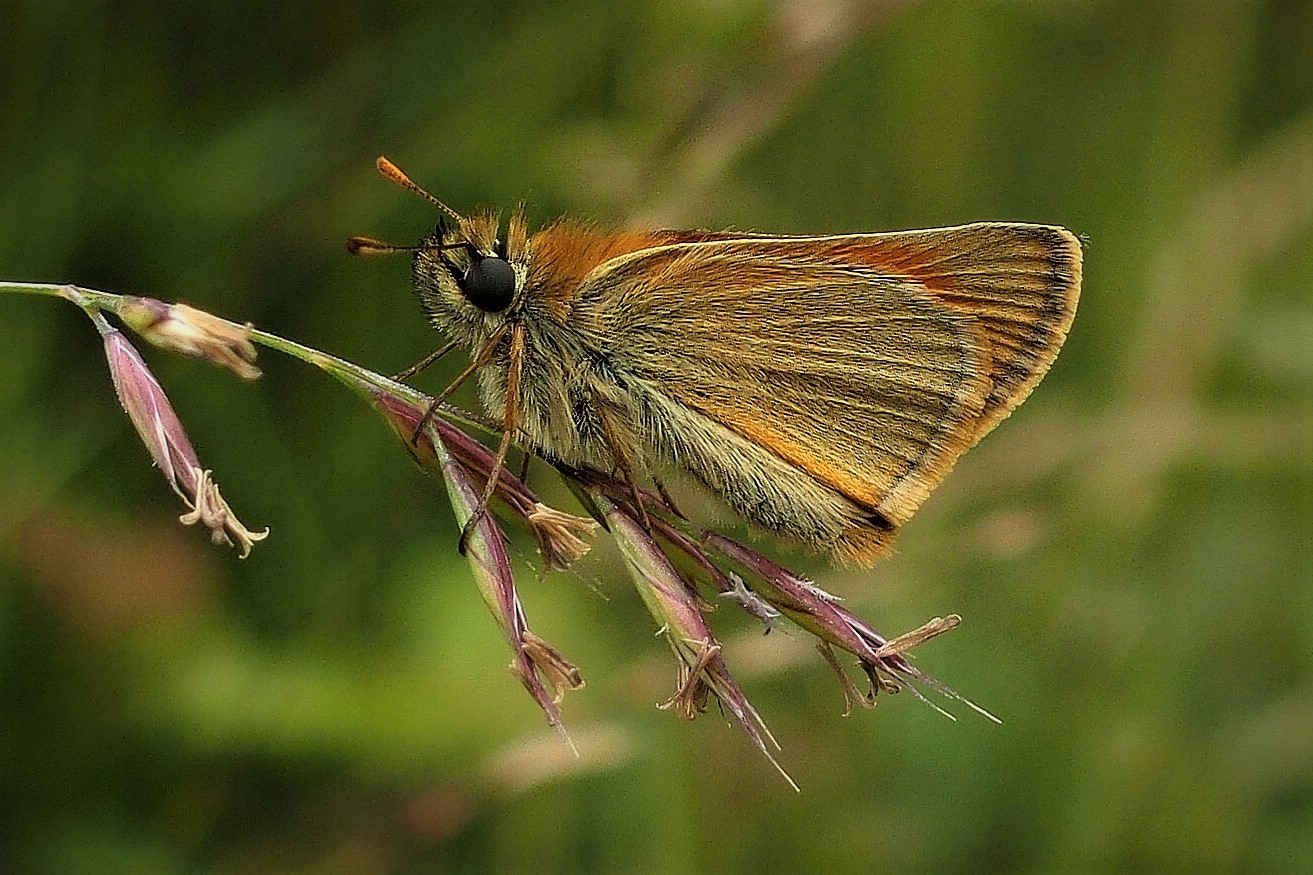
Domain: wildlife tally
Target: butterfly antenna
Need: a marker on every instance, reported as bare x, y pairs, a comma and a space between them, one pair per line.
392, 173
370, 246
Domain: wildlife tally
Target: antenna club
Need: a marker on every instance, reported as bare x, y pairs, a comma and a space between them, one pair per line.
394, 174
369, 246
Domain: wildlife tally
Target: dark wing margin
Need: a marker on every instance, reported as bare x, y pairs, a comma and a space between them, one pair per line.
1019, 284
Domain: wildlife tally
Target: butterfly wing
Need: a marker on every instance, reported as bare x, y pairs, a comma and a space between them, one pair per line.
865, 364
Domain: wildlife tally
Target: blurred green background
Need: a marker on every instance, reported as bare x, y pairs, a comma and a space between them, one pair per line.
1131, 551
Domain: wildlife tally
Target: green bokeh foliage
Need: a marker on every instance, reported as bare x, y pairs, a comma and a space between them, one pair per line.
1131, 550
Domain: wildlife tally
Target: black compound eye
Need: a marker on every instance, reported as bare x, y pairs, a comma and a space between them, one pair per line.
489, 284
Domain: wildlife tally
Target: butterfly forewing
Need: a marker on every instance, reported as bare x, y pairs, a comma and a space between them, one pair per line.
868, 362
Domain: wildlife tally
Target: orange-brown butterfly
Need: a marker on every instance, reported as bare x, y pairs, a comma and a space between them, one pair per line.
823, 386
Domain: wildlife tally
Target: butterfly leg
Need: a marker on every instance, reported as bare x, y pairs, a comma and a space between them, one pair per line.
627, 473
484, 356
626, 467
523, 473
665, 496
430, 359
510, 422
